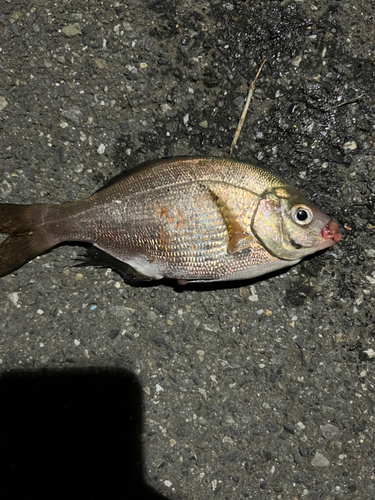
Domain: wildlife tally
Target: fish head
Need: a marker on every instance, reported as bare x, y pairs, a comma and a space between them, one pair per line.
290, 226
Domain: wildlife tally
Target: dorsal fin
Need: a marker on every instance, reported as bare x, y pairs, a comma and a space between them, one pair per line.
143, 166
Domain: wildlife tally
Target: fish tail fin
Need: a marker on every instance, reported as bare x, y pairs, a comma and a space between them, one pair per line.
27, 237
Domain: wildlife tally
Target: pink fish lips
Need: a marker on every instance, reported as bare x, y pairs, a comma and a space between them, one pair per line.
329, 232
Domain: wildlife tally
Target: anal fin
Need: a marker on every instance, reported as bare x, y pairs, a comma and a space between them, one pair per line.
94, 256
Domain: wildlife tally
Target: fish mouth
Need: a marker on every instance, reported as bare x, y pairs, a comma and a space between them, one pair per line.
330, 235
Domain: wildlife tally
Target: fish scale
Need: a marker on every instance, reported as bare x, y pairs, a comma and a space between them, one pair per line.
198, 247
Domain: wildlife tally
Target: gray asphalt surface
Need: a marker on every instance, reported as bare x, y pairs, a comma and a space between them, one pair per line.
260, 389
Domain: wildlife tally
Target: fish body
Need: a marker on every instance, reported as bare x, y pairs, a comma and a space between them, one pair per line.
190, 219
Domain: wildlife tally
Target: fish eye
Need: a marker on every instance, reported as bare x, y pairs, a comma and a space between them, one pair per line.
302, 215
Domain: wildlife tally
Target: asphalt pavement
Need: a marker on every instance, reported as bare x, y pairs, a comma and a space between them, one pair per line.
245, 390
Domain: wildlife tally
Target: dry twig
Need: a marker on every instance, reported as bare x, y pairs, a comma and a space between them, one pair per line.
346, 102
246, 107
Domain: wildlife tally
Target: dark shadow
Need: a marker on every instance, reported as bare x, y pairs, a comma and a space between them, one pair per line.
74, 434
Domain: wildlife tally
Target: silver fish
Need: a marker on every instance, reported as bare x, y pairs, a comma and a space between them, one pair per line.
190, 219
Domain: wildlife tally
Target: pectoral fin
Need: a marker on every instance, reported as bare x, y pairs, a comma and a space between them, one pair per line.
235, 231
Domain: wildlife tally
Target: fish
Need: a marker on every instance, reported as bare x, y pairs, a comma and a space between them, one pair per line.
191, 219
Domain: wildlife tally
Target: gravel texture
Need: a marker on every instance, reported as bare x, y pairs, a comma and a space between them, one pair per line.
250, 390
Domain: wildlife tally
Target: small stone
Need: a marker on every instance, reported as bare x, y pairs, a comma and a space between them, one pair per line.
131, 69
370, 353
211, 328
320, 460
151, 316
371, 280
297, 61
202, 421
165, 108
3, 103
72, 30
78, 277
203, 392
277, 360
329, 431
72, 113
350, 146
143, 65
5, 189
100, 63
228, 440
114, 333
117, 29
203, 124
168, 484
13, 297
254, 296
239, 101
341, 337
297, 456
101, 149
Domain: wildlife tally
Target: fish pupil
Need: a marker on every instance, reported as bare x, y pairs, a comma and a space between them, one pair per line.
302, 215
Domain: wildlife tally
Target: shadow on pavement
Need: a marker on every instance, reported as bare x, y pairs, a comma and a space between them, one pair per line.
75, 434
